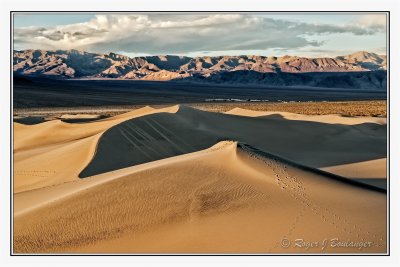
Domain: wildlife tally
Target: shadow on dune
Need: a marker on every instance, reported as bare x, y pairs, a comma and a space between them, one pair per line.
164, 135
31, 120
374, 185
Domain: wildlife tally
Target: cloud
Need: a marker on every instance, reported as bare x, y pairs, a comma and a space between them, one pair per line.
371, 21
173, 33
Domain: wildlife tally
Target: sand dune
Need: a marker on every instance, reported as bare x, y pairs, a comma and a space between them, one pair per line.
223, 199
372, 172
331, 119
56, 131
163, 135
55, 152
366, 169
166, 180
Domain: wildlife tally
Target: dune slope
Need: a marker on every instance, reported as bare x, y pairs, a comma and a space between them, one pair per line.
162, 135
55, 152
330, 119
222, 199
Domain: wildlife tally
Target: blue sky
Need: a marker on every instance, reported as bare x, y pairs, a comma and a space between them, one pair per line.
198, 34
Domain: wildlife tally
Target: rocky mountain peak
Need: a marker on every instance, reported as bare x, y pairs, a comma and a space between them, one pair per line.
76, 64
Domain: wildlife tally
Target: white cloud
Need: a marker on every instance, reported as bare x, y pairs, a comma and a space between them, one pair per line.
371, 21
170, 33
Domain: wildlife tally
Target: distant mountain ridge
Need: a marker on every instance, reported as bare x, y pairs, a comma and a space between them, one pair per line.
239, 69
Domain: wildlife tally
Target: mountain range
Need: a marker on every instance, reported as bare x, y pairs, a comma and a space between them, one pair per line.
358, 70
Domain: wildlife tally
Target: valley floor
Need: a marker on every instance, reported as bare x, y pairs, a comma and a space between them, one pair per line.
376, 108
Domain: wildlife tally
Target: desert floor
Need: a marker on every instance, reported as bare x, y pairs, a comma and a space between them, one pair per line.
179, 179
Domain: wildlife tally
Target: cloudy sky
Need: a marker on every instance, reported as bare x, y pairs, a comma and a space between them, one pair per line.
302, 34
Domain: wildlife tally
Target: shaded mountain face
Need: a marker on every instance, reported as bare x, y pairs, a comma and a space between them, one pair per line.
238, 69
